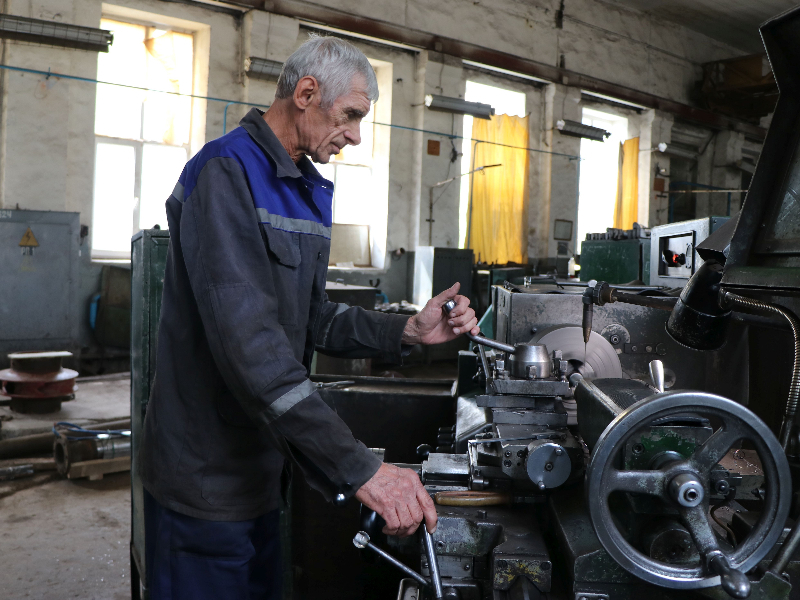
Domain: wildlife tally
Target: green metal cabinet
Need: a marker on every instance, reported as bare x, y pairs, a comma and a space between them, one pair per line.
148, 262
616, 261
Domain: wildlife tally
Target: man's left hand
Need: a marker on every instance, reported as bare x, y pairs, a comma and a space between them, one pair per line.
433, 326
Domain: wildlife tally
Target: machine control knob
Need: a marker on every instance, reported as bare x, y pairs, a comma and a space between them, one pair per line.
547, 464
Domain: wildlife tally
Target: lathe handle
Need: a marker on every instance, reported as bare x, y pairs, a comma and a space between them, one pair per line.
480, 339
657, 374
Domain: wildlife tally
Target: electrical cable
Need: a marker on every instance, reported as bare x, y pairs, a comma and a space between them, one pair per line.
794, 389
450, 136
68, 428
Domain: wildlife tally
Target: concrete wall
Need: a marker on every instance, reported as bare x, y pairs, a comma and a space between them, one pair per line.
46, 125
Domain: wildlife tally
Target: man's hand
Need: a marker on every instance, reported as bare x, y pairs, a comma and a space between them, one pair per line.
432, 326
398, 496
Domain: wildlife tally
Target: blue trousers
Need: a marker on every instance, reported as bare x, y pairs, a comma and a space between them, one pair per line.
194, 559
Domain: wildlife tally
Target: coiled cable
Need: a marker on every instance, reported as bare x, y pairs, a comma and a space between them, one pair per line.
794, 389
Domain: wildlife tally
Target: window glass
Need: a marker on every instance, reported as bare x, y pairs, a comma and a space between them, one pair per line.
352, 195
154, 126
598, 184
167, 117
114, 191
118, 110
161, 167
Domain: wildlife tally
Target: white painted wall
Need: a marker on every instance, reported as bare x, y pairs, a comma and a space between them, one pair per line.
47, 126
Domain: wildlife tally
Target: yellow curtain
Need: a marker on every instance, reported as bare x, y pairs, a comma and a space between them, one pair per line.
499, 195
627, 208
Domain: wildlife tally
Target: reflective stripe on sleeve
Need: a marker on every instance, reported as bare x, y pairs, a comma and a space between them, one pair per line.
178, 192
289, 399
326, 330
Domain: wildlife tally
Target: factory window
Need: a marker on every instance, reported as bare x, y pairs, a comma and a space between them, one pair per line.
142, 137
360, 175
504, 102
598, 185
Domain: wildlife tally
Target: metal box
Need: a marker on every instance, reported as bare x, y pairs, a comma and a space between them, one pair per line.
148, 262
40, 253
616, 261
679, 240
436, 269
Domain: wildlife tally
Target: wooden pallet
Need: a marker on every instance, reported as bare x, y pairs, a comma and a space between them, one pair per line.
95, 469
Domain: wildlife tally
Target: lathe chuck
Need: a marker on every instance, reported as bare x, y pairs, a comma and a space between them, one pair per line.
597, 359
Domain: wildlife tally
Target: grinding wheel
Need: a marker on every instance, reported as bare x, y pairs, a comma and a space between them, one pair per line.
599, 358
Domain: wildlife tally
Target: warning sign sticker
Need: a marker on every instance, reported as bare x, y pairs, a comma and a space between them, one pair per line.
29, 240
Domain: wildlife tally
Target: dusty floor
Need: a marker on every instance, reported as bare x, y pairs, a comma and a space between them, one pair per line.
65, 539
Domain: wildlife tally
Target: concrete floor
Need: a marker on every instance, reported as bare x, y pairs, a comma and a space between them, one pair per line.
60, 538
65, 539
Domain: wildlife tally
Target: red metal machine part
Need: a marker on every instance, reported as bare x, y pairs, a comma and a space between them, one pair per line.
37, 383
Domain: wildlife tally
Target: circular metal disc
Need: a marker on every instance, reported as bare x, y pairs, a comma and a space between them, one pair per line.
22, 377
598, 359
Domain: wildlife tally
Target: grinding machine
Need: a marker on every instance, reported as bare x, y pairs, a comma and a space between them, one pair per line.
617, 443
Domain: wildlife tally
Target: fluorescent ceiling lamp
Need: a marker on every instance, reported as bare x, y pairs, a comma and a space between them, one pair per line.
673, 150
575, 129
457, 105
53, 33
262, 68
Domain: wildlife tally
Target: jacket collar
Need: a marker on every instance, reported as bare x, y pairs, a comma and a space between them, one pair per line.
254, 124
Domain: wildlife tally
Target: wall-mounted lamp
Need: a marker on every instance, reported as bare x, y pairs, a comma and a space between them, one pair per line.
459, 106
575, 129
662, 147
262, 68
53, 33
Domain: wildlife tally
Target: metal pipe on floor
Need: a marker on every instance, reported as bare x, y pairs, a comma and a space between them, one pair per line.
42, 443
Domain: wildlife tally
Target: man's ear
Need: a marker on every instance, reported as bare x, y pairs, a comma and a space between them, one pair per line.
305, 92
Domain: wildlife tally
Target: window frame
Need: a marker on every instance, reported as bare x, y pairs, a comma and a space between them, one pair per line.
200, 52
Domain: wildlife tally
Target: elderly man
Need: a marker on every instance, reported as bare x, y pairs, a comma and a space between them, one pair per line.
243, 310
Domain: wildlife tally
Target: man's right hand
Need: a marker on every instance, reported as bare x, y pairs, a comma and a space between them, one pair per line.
399, 497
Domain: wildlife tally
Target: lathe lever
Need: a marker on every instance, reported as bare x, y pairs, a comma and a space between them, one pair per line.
361, 541
480, 339
657, 374
433, 564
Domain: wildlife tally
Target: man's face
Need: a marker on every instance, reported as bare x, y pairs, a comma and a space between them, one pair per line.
326, 132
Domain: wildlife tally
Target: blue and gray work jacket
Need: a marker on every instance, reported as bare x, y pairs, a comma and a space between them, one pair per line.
243, 309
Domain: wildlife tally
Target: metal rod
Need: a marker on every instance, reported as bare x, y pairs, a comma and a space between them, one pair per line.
786, 551
362, 541
433, 564
660, 303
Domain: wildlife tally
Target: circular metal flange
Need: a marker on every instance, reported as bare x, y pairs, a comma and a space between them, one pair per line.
738, 423
548, 464
597, 359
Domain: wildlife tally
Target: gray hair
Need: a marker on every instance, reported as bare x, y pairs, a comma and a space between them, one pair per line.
333, 63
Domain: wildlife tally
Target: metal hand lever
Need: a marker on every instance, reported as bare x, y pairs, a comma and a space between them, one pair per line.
657, 374
733, 581
433, 564
361, 541
480, 339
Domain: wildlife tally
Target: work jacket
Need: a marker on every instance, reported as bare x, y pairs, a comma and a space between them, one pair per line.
243, 309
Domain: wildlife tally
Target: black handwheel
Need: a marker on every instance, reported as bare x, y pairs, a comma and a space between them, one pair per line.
685, 485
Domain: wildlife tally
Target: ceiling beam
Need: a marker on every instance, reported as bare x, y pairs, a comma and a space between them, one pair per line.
405, 35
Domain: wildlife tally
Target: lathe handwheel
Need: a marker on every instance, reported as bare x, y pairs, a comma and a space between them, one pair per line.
677, 483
